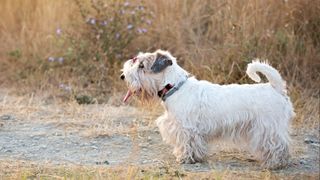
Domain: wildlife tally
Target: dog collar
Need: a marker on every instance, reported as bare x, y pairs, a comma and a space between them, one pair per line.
169, 89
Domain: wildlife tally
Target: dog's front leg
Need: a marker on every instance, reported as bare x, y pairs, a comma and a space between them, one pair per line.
190, 147
164, 123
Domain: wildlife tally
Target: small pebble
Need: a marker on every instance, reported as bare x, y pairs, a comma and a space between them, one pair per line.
310, 140
6, 117
142, 145
57, 134
197, 164
35, 137
303, 162
104, 162
8, 151
145, 161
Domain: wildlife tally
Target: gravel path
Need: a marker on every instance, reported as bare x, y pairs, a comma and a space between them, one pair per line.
116, 137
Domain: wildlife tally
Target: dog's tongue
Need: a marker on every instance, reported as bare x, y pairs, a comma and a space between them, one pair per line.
129, 93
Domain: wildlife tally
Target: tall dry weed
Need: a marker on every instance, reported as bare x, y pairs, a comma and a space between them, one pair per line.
212, 39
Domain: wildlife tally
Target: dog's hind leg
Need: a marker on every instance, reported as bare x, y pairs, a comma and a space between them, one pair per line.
271, 147
275, 153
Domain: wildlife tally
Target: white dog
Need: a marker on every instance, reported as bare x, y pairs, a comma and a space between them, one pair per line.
199, 112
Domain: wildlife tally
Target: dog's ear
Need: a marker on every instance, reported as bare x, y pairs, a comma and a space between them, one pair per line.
161, 63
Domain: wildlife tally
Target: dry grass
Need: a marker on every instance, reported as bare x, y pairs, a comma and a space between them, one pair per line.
214, 40
32, 171
90, 121
29, 26
224, 36
27, 35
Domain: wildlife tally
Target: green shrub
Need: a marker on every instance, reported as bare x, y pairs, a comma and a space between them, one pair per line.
110, 27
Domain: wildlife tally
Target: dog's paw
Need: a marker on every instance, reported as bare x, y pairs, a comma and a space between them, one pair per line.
185, 160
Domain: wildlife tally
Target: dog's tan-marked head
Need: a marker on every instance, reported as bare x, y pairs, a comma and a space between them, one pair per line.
147, 72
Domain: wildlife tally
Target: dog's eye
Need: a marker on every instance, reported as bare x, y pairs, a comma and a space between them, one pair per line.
141, 65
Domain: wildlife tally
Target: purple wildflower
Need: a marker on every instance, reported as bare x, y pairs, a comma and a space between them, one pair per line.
104, 23
117, 35
60, 59
148, 21
65, 87
142, 30
91, 21
51, 59
130, 26
140, 7
58, 31
126, 4
122, 11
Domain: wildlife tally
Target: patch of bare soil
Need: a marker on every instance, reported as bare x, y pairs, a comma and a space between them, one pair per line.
108, 135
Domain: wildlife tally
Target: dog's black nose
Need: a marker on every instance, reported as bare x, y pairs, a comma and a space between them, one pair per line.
122, 76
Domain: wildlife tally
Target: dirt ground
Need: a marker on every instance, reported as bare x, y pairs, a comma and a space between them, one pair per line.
112, 134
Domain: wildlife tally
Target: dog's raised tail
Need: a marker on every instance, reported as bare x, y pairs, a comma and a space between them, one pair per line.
271, 73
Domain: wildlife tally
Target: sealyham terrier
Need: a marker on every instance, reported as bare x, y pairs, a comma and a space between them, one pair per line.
199, 112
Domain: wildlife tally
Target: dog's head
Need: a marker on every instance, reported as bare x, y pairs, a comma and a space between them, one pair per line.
147, 73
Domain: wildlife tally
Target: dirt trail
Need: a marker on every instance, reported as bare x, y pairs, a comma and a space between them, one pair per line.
108, 135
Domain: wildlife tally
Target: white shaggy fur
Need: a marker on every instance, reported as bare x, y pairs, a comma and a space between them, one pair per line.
200, 112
